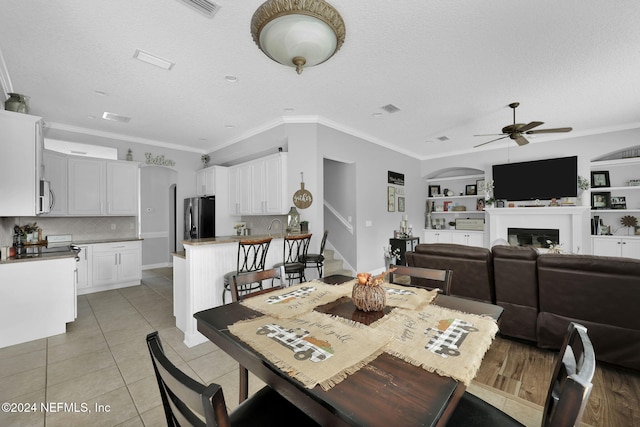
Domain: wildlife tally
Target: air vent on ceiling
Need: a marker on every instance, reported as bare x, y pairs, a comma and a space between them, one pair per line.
390, 108
442, 138
205, 7
115, 117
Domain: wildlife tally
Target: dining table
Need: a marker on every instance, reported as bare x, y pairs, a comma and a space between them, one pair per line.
386, 391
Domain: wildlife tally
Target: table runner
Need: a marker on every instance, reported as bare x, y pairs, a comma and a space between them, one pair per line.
314, 348
407, 296
448, 342
296, 300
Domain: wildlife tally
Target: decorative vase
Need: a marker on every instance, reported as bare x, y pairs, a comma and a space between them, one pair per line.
369, 297
17, 103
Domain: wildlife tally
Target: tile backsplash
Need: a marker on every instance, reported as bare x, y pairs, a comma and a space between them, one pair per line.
81, 228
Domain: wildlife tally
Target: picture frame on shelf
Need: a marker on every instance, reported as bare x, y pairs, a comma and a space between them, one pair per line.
501, 203
470, 190
434, 190
480, 204
600, 200
391, 198
618, 202
600, 179
480, 185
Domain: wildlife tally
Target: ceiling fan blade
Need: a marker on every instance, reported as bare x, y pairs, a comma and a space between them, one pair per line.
521, 140
530, 126
493, 140
491, 134
550, 130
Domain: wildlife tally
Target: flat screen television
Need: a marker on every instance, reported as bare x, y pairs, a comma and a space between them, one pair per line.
539, 179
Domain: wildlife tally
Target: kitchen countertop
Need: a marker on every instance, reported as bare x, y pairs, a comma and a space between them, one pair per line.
96, 241
38, 257
231, 239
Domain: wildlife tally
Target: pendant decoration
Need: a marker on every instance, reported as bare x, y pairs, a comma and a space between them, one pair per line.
302, 198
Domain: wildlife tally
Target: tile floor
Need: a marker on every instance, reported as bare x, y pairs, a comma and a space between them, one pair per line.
99, 373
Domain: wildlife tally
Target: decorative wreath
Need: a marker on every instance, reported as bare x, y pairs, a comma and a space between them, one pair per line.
629, 221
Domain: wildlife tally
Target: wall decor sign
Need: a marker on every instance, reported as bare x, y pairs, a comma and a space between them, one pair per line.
400, 204
391, 199
395, 178
302, 198
158, 160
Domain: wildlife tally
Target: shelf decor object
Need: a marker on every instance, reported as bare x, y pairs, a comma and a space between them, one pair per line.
298, 33
601, 200
600, 179
368, 293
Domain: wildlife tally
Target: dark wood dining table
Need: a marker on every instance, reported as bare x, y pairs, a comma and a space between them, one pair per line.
386, 392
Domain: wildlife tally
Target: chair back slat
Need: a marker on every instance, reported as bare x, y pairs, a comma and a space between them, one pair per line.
185, 401
571, 382
252, 254
428, 278
256, 276
296, 247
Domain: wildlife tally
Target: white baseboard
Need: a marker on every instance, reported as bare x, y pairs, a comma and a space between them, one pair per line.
159, 265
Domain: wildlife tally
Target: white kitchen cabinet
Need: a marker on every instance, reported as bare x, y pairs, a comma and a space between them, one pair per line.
259, 187
616, 246
115, 265
83, 267
21, 145
275, 185
205, 182
437, 236
240, 189
102, 187
55, 171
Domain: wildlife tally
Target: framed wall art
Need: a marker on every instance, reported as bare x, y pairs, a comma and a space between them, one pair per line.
600, 200
391, 199
434, 190
470, 190
400, 204
600, 179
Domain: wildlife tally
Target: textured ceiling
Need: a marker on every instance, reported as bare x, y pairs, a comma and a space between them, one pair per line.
450, 66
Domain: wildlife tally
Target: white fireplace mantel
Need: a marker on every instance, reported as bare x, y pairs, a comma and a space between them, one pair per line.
571, 221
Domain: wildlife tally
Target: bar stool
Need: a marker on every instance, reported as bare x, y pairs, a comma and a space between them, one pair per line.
316, 260
295, 248
252, 255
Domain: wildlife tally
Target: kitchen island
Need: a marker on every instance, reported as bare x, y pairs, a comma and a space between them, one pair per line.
198, 277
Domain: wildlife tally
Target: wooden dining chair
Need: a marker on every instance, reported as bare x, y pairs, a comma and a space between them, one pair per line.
187, 402
295, 249
567, 396
237, 282
427, 278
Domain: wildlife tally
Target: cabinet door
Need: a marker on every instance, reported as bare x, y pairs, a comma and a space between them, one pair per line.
234, 199
605, 246
55, 171
82, 267
475, 239
245, 178
104, 266
258, 186
205, 182
631, 248
275, 192
86, 186
437, 236
129, 264
122, 188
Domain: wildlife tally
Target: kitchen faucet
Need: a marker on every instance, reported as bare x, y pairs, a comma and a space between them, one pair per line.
271, 225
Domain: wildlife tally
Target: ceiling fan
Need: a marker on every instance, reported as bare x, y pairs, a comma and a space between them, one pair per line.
516, 131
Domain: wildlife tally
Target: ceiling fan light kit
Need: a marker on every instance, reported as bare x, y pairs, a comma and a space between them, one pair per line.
515, 131
298, 33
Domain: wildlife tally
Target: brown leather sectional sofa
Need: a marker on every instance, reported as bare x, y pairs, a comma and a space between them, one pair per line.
542, 293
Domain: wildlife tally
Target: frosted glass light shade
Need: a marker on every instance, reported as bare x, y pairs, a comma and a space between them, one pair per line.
292, 36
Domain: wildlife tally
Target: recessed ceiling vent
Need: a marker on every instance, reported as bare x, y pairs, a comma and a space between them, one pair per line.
390, 108
115, 117
442, 138
205, 7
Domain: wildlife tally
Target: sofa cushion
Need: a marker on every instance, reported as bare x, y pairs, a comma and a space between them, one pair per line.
472, 267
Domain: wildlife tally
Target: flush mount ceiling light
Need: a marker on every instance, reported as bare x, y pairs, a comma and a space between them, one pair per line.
298, 33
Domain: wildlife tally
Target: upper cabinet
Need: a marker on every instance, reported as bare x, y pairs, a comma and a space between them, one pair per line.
21, 152
259, 187
206, 182
102, 187
55, 171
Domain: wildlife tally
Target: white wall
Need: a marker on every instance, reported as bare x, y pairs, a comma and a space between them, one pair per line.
155, 185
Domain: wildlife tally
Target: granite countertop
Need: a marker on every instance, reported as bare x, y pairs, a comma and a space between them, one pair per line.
231, 239
116, 240
38, 257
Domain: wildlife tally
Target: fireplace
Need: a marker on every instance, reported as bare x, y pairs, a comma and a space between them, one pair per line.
535, 237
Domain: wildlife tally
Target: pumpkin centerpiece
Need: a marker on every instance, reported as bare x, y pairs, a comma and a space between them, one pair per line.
368, 293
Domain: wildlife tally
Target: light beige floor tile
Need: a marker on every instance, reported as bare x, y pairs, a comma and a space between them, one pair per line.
78, 366
127, 320
145, 393
154, 417
134, 369
175, 338
213, 365
34, 417
23, 362
76, 346
139, 331
23, 383
86, 387
134, 422
24, 348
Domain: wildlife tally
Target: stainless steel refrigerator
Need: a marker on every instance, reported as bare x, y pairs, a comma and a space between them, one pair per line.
199, 217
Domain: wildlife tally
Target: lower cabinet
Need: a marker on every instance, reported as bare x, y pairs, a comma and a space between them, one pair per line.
461, 237
109, 266
617, 246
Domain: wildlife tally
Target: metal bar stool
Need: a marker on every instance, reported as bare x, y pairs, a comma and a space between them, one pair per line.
295, 248
316, 260
252, 255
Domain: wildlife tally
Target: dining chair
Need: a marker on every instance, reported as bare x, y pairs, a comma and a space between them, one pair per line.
252, 255
316, 260
237, 282
187, 402
567, 396
427, 278
294, 249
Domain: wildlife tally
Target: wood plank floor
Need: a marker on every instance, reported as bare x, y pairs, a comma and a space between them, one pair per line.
524, 371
